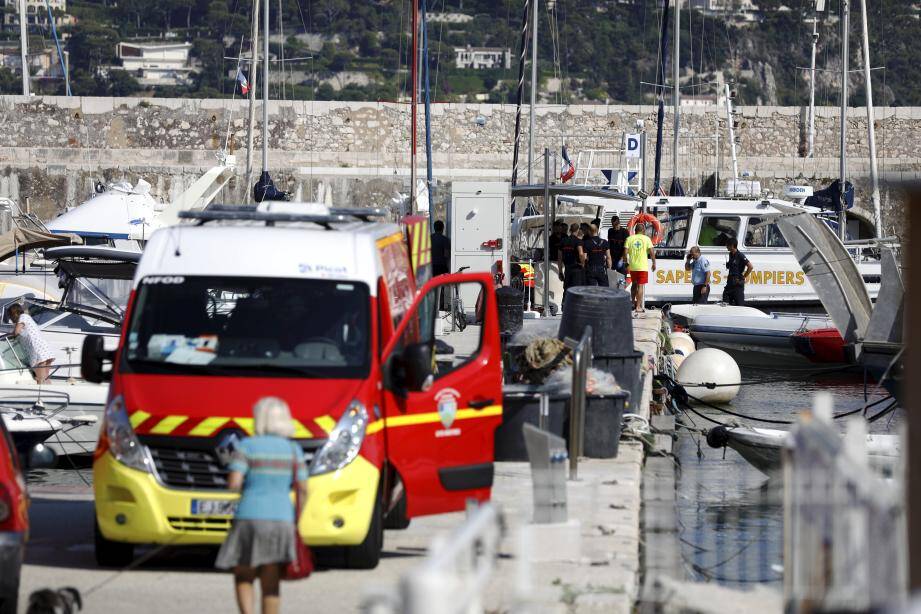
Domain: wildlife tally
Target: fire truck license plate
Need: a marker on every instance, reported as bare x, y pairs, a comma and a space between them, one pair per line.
212, 507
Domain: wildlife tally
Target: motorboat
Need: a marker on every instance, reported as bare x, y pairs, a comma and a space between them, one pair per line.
762, 340
123, 215
28, 429
777, 280
76, 404
872, 330
95, 283
821, 345
685, 315
763, 448
23, 270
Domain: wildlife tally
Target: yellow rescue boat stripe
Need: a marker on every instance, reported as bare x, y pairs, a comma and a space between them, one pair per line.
430, 417
208, 426
166, 425
138, 417
326, 423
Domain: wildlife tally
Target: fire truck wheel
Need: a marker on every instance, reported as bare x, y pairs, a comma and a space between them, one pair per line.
111, 553
367, 554
397, 519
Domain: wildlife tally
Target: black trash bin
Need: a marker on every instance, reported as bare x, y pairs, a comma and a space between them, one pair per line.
520, 405
603, 417
628, 371
607, 310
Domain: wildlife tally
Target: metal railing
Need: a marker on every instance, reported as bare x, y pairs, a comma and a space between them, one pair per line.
581, 358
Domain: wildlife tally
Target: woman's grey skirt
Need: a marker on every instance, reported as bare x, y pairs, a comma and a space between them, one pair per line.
251, 543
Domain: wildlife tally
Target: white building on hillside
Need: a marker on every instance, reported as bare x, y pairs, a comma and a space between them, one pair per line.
482, 57
37, 13
156, 63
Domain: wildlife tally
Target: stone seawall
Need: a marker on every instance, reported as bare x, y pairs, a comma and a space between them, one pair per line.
52, 149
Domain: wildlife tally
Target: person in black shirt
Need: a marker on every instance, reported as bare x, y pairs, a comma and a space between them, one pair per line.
738, 269
559, 232
596, 258
617, 236
571, 271
441, 250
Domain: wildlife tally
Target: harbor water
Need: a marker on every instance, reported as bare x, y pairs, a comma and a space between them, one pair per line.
730, 514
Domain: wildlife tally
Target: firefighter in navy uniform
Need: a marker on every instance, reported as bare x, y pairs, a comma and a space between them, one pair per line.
595, 257
738, 268
571, 271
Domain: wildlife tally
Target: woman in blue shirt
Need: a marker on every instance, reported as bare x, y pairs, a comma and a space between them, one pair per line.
261, 540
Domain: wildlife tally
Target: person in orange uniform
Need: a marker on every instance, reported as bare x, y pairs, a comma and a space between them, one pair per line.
638, 250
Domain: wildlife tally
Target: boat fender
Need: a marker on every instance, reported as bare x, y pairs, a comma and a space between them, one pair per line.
647, 218
717, 437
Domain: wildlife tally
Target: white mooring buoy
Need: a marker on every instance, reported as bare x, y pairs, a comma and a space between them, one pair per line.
682, 343
706, 366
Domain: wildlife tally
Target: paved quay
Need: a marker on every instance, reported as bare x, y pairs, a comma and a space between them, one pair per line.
606, 500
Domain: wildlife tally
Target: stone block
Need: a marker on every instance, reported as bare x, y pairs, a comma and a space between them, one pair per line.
553, 542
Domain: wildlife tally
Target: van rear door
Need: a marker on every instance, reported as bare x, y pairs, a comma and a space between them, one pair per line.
441, 410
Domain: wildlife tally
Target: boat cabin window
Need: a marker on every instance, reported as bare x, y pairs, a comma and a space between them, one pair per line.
763, 233
675, 222
716, 230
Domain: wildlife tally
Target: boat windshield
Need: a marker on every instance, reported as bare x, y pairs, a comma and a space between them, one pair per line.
250, 327
675, 223
100, 294
12, 354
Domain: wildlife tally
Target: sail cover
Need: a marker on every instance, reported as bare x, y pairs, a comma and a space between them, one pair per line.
831, 270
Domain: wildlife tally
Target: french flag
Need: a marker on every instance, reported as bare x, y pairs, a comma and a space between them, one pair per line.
569, 169
244, 84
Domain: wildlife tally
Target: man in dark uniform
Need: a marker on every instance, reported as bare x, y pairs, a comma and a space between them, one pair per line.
441, 250
617, 236
738, 269
571, 271
556, 236
595, 257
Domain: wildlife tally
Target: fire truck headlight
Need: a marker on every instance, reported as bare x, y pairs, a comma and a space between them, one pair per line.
123, 442
344, 441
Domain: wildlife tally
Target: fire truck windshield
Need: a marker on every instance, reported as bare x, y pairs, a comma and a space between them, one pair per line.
253, 327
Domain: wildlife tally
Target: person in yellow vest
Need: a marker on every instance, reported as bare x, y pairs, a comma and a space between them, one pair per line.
638, 250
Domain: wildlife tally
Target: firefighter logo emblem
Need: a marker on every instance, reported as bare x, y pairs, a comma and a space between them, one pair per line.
447, 406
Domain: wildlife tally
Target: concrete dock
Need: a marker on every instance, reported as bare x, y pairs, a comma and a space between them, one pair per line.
606, 500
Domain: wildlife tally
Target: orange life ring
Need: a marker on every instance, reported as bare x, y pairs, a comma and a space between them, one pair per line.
647, 218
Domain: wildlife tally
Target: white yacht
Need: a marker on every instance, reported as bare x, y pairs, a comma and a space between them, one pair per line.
709, 222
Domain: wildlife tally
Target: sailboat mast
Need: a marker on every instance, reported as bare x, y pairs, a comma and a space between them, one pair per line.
24, 46
414, 101
845, 30
676, 96
250, 135
534, 4
871, 129
810, 152
265, 88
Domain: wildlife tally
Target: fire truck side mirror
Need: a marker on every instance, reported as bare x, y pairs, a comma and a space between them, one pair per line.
416, 363
92, 358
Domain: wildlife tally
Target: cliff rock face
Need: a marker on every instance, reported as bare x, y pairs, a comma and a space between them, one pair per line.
768, 84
